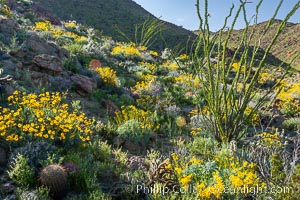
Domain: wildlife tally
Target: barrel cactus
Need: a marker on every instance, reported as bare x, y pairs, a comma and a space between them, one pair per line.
54, 177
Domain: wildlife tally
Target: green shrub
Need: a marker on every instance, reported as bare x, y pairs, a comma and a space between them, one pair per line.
100, 150
37, 153
133, 131
37, 194
21, 173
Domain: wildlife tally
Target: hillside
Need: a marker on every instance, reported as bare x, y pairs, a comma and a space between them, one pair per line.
286, 46
106, 14
86, 117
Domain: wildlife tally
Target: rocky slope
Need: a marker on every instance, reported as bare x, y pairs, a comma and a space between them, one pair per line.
106, 15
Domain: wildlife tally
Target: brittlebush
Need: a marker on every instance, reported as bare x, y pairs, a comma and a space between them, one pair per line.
42, 116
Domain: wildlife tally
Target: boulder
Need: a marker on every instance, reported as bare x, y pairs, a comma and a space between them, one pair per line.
61, 82
41, 12
63, 53
48, 63
3, 157
85, 83
110, 107
39, 46
8, 27
9, 91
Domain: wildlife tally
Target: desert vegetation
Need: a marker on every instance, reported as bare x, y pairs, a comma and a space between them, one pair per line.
85, 116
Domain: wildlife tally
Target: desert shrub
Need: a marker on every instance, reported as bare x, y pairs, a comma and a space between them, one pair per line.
108, 76
226, 107
100, 150
4, 9
135, 131
290, 108
70, 64
43, 117
208, 177
37, 153
277, 159
37, 194
291, 124
133, 113
21, 173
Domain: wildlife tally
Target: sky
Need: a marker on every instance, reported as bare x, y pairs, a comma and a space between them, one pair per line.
183, 12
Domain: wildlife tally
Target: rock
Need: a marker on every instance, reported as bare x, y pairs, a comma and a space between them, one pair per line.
41, 12
111, 107
63, 53
8, 27
8, 188
39, 46
277, 120
62, 82
48, 63
131, 147
85, 83
19, 53
118, 141
8, 66
9, 91
37, 75
19, 65
3, 157
5, 56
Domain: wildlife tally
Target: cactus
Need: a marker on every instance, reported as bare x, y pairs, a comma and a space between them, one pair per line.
54, 177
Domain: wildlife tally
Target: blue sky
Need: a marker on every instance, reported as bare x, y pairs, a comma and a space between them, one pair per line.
183, 12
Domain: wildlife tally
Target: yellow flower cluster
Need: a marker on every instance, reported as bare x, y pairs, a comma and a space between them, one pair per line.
237, 66
216, 189
153, 53
244, 175
151, 67
255, 117
108, 75
148, 77
70, 24
265, 77
5, 10
141, 48
58, 31
142, 86
196, 131
170, 66
194, 112
187, 80
43, 26
269, 139
183, 57
211, 184
289, 96
242, 86
132, 113
42, 116
125, 50
289, 92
